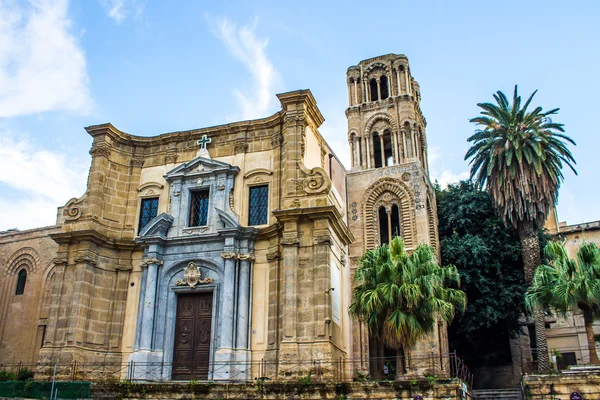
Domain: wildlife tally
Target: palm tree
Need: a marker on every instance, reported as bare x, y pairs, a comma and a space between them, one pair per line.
518, 156
400, 296
565, 284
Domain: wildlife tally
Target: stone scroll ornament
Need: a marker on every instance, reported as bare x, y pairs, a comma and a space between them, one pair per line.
315, 180
73, 209
192, 277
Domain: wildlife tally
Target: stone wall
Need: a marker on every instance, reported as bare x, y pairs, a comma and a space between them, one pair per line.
23, 318
440, 390
560, 386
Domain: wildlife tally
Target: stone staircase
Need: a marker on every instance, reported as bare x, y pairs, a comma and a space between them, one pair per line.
497, 394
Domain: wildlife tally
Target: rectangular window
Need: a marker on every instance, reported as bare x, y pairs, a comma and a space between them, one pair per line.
198, 208
148, 210
258, 205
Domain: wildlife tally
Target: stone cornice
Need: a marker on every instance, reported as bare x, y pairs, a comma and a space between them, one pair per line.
94, 237
325, 212
127, 139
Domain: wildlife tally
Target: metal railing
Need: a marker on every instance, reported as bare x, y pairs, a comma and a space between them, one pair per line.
561, 358
428, 367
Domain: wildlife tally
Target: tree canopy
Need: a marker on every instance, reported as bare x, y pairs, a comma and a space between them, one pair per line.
564, 285
401, 295
488, 258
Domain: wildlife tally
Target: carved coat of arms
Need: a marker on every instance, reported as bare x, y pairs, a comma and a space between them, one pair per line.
192, 276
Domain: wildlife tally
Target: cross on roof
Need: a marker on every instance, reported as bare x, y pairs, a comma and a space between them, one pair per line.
204, 142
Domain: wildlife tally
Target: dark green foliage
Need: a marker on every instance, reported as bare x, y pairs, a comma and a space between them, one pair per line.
488, 258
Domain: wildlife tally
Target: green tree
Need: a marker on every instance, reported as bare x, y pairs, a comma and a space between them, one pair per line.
563, 285
400, 296
488, 257
518, 155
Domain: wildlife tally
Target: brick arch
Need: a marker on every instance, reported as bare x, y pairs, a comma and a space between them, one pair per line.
389, 191
380, 117
27, 257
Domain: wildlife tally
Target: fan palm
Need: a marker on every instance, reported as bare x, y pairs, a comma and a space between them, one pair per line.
566, 284
400, 296
518, 156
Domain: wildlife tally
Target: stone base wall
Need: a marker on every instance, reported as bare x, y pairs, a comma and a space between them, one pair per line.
560, 386
440, 390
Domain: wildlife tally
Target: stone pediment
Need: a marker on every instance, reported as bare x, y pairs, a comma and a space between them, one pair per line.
158, 226
200, 166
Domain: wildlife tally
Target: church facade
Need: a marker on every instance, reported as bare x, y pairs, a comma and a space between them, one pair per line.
214, 252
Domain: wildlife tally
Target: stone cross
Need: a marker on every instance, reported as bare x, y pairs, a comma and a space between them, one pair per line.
204, 142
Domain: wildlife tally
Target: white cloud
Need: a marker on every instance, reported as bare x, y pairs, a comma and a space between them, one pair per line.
42, 67
44, 180
246, 47
441, 173
120, 10
447, 176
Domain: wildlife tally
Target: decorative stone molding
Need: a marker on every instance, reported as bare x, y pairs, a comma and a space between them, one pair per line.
237, 256
343, 259
354, 211
150, 260
60, 260
240, 147
171, 156
276, 140
316, 180
290, 239
228, 254
322, 238
73, 210
195, 230
86, 256
192, 277
100, 149
26, 256
137, 162
273, 254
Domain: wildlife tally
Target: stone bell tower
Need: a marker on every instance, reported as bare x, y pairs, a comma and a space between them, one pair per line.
389, 191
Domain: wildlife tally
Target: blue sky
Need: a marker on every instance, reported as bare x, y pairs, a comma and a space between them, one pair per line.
151, 67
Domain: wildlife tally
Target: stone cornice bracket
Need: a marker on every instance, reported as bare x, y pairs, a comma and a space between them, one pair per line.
74, 208
60, 260
237, 256
86, 256
276, 140
228, 255
316, 180
137, 162
323, 238
100, 149
290, 239
240, 146
150, 260
273, 254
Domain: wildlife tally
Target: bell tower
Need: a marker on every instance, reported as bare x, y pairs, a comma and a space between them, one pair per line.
388, 186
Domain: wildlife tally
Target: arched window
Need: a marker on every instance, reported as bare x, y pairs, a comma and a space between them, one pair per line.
384, 233
387, 148
21, 279
359, 151
373, 89
395, 221
377, 150
383, 84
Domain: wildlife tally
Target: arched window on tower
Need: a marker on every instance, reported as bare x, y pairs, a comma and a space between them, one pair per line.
387, 148
373, 89
359, 141
21, 280
384, 233
395, 221
383, 84
377, 150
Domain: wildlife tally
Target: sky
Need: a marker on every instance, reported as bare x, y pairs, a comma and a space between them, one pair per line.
151, 67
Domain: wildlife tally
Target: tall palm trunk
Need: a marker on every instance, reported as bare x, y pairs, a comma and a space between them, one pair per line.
400, 362
588, 317
530, 250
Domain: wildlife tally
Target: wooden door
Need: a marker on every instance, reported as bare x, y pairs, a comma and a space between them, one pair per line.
191, 354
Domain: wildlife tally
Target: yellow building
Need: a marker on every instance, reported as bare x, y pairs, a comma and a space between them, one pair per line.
225, 252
